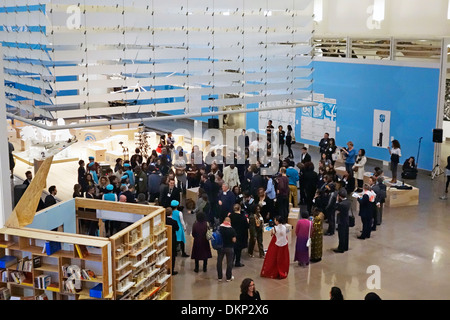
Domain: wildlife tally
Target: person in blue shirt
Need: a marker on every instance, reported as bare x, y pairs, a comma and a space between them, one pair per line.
350, 158
177, 215
93, 172
130, 173
109, 196
293, 177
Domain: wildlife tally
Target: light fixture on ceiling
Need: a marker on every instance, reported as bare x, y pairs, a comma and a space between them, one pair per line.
378, 10
318, 10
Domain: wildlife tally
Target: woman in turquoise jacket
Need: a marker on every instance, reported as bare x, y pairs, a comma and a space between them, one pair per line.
178, 217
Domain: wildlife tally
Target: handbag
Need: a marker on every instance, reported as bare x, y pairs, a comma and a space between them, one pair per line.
351, 219
355, 169
308, 243
209, 233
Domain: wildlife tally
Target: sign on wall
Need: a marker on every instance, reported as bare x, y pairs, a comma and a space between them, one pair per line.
317, 120
381, 128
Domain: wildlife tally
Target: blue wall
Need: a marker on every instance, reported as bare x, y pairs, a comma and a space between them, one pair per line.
411, 94
62, 213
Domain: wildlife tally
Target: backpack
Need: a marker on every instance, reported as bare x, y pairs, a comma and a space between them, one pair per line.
216, 240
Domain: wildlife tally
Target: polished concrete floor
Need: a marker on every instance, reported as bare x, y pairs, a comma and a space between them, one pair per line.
411, 251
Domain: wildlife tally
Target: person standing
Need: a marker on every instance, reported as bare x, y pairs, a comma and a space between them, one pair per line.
169, 193
201, 249
358, 168
136, 159
29, 177
447, 173
276, 262
290, 140
350, 158
177, 215
226, 201
380, 190
256, 228
293, 177
231, 176
229, 239
365, 211
269, 130
330, 151
281, 139
283, 194
175, 227
395, 153
248, 290
82, 176
305, 157
239, 222
317, 236
343, 206
323, 144
304, 231
141, 180
310, 180
12, 163
51, 198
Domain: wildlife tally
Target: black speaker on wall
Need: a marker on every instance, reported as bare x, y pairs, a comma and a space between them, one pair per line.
213, 123
438, 135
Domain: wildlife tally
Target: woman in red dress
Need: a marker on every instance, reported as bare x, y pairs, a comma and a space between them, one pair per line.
276, 262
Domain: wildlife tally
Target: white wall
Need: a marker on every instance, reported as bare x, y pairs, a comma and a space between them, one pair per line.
403, 18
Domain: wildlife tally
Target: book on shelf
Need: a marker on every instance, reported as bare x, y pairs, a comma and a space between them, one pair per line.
42, 281
82, 251
6, 276
5, 293
37, 262
18, 277
42, 296
51, 247
7, 261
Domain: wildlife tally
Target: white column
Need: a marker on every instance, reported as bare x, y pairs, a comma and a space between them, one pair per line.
5, 181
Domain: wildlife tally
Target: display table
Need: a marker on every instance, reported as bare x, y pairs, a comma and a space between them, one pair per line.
98, 153
192, 194
400, 198
294, 215
111, 156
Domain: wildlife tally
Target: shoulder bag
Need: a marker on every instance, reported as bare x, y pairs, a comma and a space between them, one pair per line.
308, 243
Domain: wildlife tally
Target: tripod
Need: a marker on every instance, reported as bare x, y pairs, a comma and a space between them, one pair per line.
437, 170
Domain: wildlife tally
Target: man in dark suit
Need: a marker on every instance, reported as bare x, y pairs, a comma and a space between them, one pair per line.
256, 182
342, 209
175, 227
50, 199
366, 207
323, 144
305, 157
29, 177
170, 193
226, 200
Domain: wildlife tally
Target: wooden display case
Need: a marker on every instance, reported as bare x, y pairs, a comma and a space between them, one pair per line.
134, 263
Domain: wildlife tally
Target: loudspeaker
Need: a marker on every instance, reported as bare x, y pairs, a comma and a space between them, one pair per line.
213, 123
437, 135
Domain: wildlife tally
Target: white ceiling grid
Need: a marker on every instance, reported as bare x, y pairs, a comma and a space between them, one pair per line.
70, 56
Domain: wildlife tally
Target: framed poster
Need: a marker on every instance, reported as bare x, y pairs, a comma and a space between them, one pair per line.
381, 128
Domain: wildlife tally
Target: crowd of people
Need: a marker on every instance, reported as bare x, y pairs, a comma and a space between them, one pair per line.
240, 198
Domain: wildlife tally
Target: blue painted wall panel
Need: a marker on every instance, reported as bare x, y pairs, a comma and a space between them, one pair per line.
411, 94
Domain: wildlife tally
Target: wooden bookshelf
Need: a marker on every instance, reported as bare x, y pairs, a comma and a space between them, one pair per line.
140, 244
133, 264
30, 242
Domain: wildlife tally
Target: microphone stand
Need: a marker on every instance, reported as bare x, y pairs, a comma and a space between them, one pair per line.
418, 152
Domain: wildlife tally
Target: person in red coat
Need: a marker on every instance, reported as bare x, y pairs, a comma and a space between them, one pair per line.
201, 249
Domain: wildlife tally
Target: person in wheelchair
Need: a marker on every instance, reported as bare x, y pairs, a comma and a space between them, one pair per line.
409, 169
